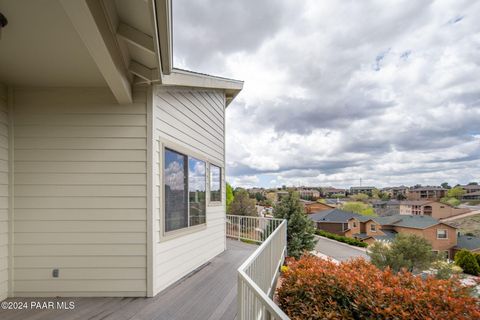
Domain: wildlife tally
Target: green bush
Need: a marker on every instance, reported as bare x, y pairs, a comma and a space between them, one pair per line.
347, 240
468, 262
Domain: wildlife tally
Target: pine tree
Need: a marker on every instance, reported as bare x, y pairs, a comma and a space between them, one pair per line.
300, 229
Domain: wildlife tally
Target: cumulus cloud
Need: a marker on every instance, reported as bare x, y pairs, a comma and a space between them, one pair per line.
336, 90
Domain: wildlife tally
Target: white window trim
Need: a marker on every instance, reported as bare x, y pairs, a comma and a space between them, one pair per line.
222, 187
168, 235
446, 234
373, 225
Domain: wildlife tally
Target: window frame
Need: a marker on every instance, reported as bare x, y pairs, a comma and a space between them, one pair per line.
446, 234
167, 235
209, 201
373, 227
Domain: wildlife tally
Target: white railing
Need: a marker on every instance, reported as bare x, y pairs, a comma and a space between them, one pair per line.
257, 276
255, 229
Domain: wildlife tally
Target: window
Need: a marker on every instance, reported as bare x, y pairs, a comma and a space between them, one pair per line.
354, 224
215, 183
185, 188
442, 233
373, 227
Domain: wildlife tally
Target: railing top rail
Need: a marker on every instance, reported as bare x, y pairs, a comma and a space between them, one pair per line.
251, 217
259, 250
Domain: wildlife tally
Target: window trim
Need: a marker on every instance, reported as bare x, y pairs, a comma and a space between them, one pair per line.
168, 235
211, 203
446, 234
374, 225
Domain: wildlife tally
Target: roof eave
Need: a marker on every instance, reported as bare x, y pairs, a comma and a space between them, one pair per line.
170, 76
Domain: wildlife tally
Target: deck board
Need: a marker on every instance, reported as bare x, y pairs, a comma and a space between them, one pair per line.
207, 293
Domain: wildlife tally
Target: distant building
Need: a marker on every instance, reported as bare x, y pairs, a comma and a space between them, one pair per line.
471, 188
472, 196
386, 208
434, 209
357, 190
330, 191
426, 193
309, 194
396, 192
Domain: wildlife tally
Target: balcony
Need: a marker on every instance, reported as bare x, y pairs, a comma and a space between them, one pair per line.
210, 292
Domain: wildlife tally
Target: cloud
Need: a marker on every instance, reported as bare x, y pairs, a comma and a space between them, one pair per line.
336, 91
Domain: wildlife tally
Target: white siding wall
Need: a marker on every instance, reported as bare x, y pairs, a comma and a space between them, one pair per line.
194, 120
79, 193
3, 193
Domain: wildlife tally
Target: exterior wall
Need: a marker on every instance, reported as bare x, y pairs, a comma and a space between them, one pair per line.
431, 235
79, 192
368, 231
4, 192
353, 229
441, 211
193, 120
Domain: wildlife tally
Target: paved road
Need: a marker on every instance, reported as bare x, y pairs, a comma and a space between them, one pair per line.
338, 250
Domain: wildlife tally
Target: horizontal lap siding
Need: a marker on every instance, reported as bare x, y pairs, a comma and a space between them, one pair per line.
3, 194
80, 193
193, 119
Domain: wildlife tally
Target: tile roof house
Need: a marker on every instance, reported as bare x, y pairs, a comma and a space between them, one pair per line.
333, 220
112, 160
442, 236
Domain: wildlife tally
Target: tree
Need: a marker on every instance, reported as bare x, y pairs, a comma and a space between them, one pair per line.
360, 197
408, 251
454, 202
445, 185
229, 194
467, 261
401, 197
456, 193
300, 229
359, 207
242, 205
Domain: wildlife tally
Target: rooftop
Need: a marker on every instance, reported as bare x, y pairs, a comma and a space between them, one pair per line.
408, 221
334, 215
210, 292
468, 242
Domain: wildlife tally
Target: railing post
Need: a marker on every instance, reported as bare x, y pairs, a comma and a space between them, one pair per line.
239, 296
239, 228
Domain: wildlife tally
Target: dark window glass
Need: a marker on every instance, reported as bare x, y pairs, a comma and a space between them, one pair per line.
176, 201
215, 183
197, 186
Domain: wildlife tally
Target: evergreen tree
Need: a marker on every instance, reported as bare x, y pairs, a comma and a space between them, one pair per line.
300, 229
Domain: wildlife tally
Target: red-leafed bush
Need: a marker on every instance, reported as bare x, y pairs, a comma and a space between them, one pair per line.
313, 288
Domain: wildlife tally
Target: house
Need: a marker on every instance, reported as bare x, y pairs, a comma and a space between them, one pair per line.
396, 192
472, 196
426, 193
315, 206
365, 190
434, 209
335, 220
112, 160
331, 191
470, 243
386, 208
442, 236
308, 194
471, 188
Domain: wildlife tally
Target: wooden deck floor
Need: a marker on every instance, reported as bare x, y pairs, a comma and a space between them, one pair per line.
208, 293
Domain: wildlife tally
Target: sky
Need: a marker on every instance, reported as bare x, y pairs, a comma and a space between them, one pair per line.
337, 91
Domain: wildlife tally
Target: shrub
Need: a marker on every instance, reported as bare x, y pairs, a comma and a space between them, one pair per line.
445, 269
351, 241
468, 262
408, 251
313, 288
